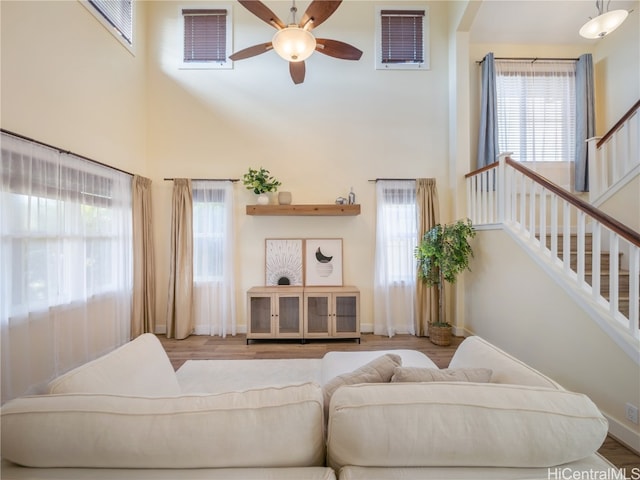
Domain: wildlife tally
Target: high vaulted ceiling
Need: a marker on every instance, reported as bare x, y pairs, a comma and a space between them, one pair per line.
539, 21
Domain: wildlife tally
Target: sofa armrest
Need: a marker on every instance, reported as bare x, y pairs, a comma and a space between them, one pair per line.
476, 352
139, 367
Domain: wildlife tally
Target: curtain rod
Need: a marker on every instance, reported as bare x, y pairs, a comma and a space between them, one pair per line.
208, 179
396, 179
60, 150
532, 59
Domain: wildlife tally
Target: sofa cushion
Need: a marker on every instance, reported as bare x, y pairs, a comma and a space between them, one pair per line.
379, 370
460, 424
140, 367
475, 351
271, 427
415, 374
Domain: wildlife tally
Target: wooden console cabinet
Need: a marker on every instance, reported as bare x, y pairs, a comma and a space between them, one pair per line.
274, 312
303, 312
332, 312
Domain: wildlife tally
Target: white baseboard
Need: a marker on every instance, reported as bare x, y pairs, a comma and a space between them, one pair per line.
162, 330
623, 434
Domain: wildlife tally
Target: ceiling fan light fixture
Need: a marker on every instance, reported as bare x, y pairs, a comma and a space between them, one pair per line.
293, 43
603, 24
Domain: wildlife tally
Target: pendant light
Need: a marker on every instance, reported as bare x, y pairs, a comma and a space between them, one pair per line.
604, 23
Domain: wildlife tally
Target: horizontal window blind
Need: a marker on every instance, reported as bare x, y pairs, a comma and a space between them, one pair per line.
402, 36
205, 35
536, 110
119, 13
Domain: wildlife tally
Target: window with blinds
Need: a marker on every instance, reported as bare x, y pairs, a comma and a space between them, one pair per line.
536, 109
119, 14
207, 38
401, 38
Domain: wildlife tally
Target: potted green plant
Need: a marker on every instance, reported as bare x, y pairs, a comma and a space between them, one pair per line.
261, 182
442, 254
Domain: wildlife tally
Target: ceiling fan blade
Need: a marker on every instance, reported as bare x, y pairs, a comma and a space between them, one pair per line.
251, 51
297, 70
337, 49
263, 12
318, 11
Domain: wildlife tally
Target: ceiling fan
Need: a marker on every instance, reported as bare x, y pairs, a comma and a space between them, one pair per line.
295, 42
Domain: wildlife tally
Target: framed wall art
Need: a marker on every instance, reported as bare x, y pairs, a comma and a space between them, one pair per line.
283, 261
323, 262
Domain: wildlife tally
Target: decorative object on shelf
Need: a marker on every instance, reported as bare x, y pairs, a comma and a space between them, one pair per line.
323, 262
283, 261
341, 201
260, 182
352, 197
295, 42
284, 198
604, 23
442, 254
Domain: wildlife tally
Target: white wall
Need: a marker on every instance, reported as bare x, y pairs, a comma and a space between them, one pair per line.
616, 61
59, 87
516, 305
346, 124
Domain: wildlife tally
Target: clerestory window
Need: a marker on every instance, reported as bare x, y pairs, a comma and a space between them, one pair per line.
206, 38
402, 38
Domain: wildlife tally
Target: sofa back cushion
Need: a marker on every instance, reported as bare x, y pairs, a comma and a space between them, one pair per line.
270, 427
460, 424
140, 367
416, 374
476, 352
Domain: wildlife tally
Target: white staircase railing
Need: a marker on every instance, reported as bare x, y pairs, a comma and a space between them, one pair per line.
615, 156
595, 254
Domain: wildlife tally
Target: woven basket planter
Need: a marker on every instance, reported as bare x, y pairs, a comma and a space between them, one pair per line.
440, 335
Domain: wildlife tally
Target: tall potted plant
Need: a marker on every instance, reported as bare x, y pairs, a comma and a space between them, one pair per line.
260, 182
442, 254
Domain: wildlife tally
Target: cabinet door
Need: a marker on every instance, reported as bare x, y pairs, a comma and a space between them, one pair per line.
346, 315
317, 315
289, 316
260, 315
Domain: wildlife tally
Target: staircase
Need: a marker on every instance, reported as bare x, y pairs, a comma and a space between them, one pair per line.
601, 266
623, 277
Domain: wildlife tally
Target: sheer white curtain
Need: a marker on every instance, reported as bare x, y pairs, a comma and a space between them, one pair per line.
65, 263
213, 258
395, 265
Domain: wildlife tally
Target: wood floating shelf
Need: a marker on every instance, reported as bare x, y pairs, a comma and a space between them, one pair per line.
304, 210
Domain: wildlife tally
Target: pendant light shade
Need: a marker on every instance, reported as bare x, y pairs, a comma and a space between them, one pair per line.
603, 24
293, 43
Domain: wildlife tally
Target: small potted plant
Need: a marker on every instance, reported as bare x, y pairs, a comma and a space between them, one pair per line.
442, 254
260, 182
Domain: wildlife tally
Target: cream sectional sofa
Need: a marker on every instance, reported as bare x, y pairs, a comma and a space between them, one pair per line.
129, 415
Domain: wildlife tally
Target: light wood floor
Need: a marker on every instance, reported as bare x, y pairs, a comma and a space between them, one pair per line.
199, 347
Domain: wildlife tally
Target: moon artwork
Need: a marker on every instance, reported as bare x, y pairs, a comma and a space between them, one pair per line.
283, 262
324, 267
323, 262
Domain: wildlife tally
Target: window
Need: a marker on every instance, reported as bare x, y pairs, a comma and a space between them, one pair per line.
398, 230
394, 282
206, 38
65, 262
63, 227
211, 222
213, 257
116, 16
401, 39
536, 114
